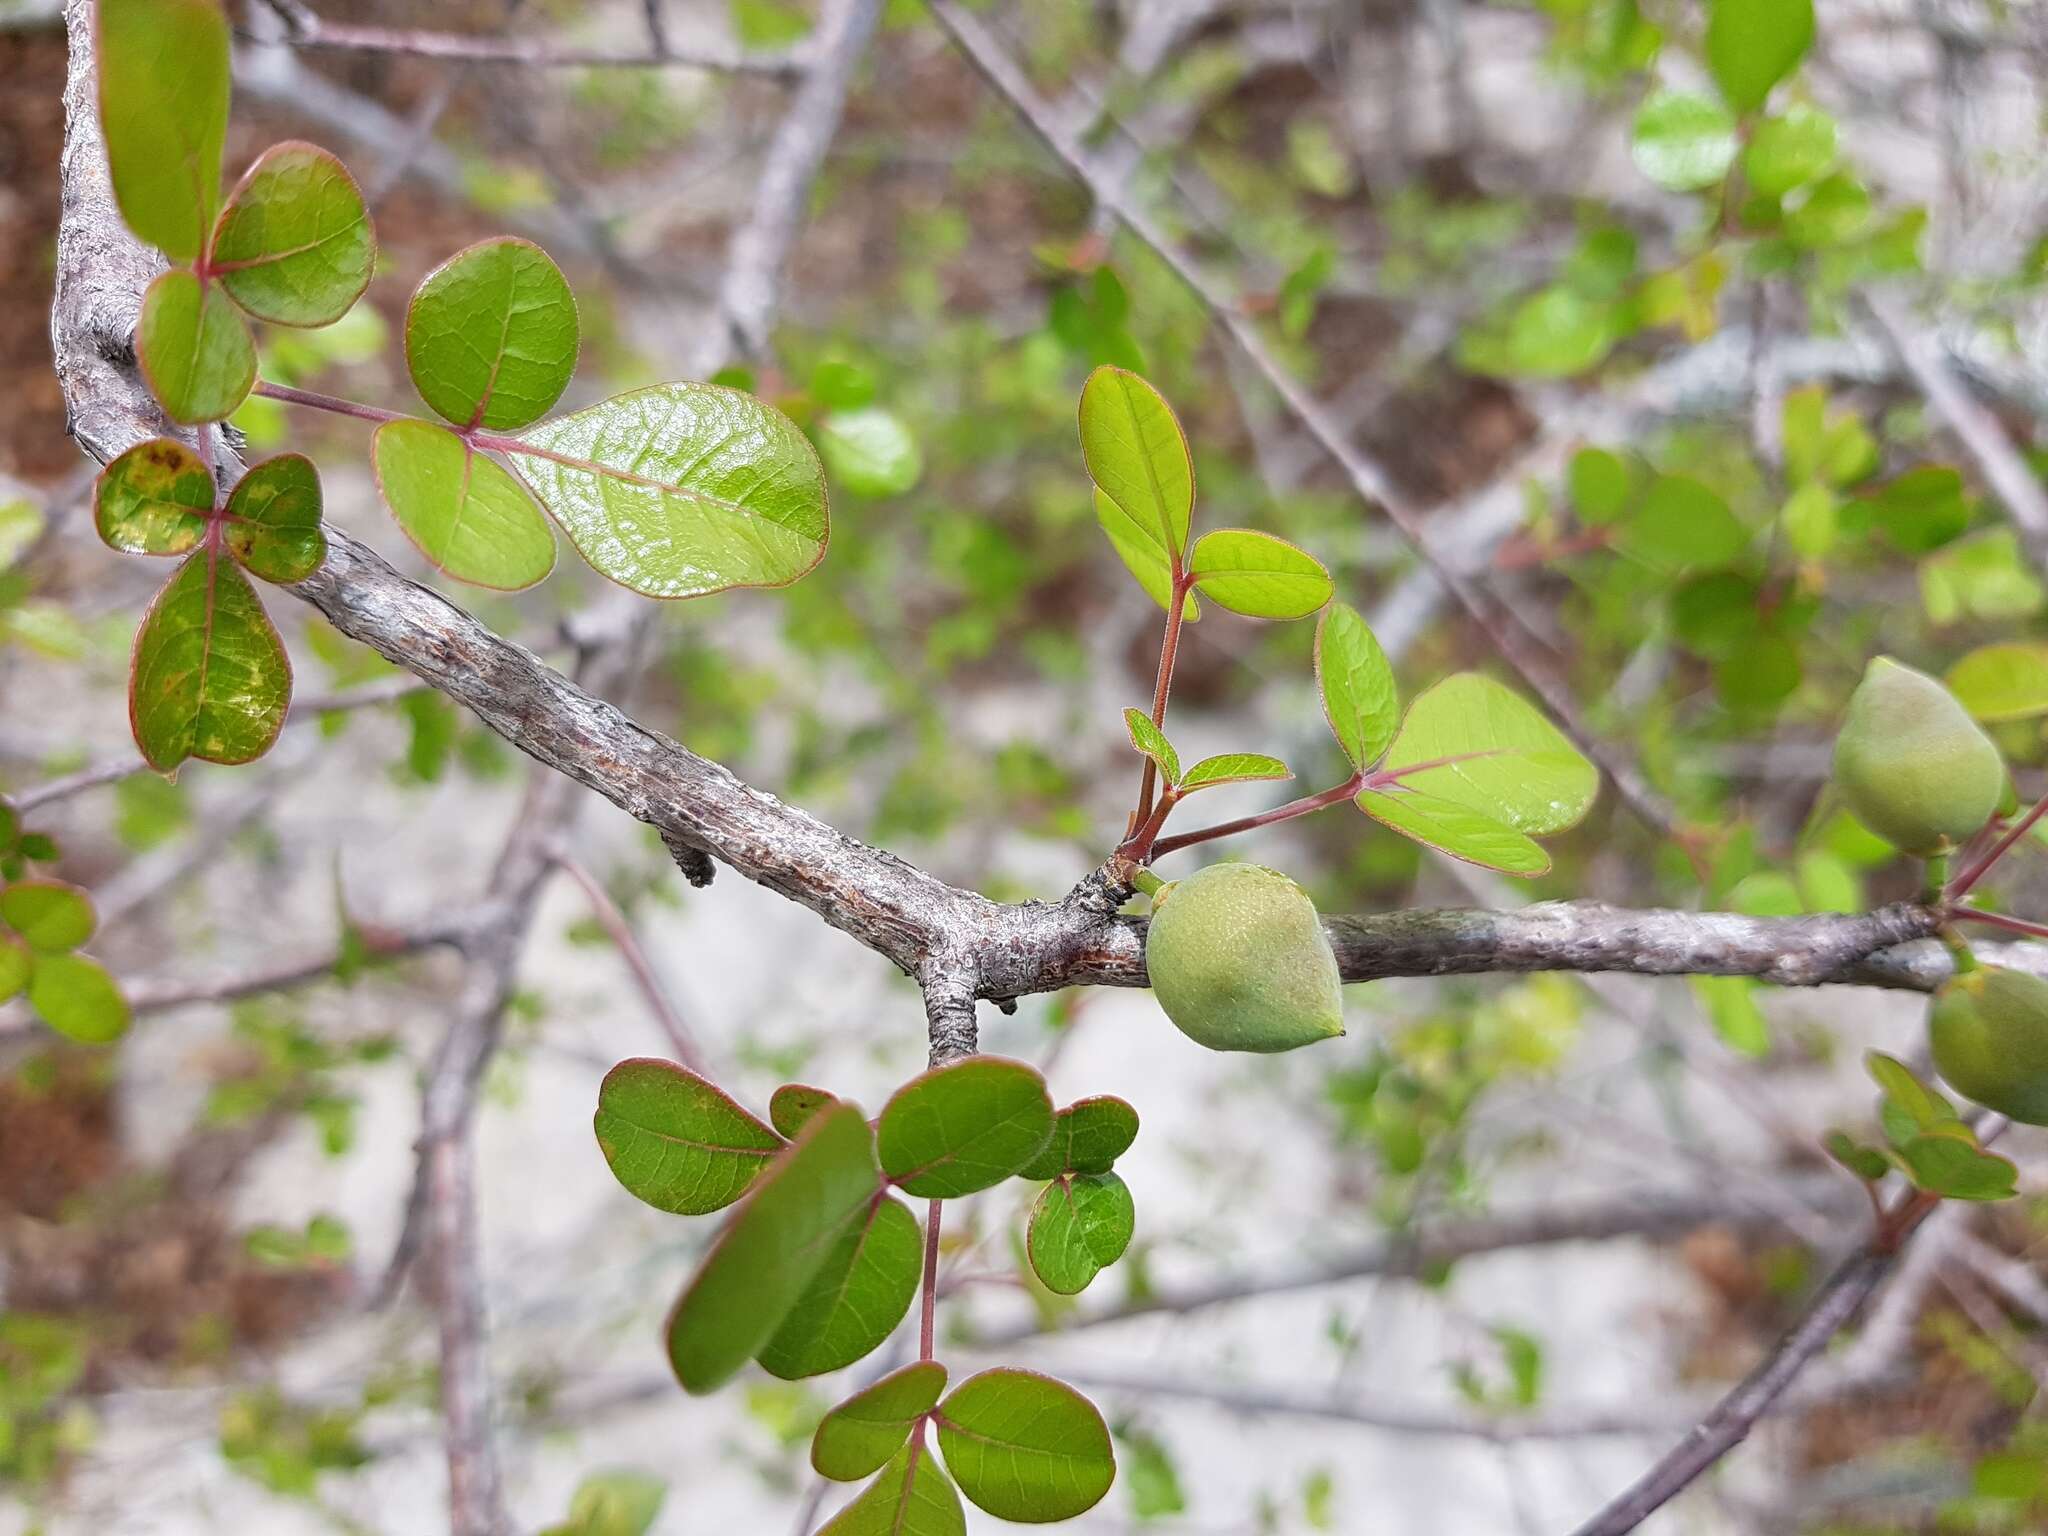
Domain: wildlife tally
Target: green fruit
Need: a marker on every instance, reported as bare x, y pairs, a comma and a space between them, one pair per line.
1990, 1034
1911, 763
1240, 963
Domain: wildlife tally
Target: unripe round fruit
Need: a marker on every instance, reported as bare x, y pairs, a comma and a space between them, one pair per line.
1989, 1029
1239, 961
1911, 763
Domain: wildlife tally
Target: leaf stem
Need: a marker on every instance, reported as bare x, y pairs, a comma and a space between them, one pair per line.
1308, 804
1169, 650
2000, 920
927, 1326
320, 402
1960, 886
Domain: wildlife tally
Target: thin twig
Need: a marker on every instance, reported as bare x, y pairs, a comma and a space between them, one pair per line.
620, 931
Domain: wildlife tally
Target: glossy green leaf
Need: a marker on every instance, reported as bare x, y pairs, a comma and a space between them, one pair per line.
778, 1238
1143, 555
50, 916
1456, 829
460, 508
155, 499
1753, 44
15, 964
1359, 696
870, 452
1152, 742
1682, 524
75, 996
791, 1106
1137, 454
963, 1127
682, 489
1257, 575
864, 1431
2008, 681
856, 1299
1234, 768
677, 1141
195, 348
209, 678
294, 244
1789, 151
1477, 744
1080, 1226
1682, 141
163, 68
1088, 1136
490, 335
1949, 1163
1025, 1447
273, 521
912, 1496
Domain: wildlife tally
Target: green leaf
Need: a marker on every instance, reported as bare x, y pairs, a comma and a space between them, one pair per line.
676, 1141
864, 1431
1137, 454
1143, 555
21, 525
195, 349
1152, 742
1080, 1226
1923, 1105
1731, 1005
1088, 1136
1922, 509
164, 108
1753, 44
155, 499
490, 335
460, 508
1867, 1163
1600, 484
870, 452
912, 1497
1359, 696
1258, 575
620, 1503
1952, 1165
1234, 768
1789, 151
50, 916
75, 996
294, 244
682, 489
791, 1106
1026, 1447
15, 965
856, 1299
773, 1244
273, 521
1553, 334
2002, 682
1682, 141
1470, 741
1682, 524
964, 1127
1456, 829
209, 678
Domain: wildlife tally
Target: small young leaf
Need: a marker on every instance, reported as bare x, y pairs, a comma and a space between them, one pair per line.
856, 1299
15, 965
460, 508
1138, 455
912, 1497
1789, 151
682, 489
155, 499
677, 1141
1080, 1226
1151, 741
273, 524
1470, 741
1088, 1136
209, 678
1359, 696
773, 1244
163, 67
1867, 1163
1143, 555
50, 916
964, 1127
490, 335
1234, 768
870, 452
1953, 1166
1923, 1106
863, 1432
75, 996
1258, 575
791, 1106
294, 244
1456, 829
1753, 44
195, 348
1026, 1447
1683, 142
